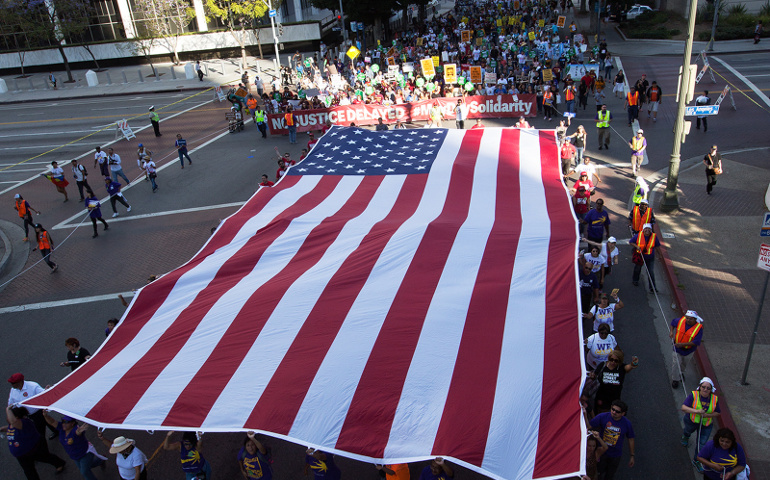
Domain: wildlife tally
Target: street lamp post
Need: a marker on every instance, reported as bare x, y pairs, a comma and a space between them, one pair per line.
269, 4
670, 200
342, 23
714, 26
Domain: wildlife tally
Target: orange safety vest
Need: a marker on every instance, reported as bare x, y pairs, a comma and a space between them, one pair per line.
695, 417
633, 100
22, 207
654, 94
645, 247
639, 220
251, 103
289, 117
547, 97
570, 95
43, 242
685, 335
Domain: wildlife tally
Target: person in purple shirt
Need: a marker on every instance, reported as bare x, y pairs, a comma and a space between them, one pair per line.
113, 188
95, 212
437, 470
321, 464
75, 443
598, 222
613, 427
645, 243
181, 149
26, 444
723, 457
686, 333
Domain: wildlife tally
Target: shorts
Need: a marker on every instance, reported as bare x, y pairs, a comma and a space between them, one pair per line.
618, 88
653, 107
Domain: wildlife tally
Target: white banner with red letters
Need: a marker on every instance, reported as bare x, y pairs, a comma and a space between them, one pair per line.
479, 106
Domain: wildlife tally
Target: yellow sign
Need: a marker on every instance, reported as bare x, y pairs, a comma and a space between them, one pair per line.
475, 74
479, 42
561, 21
450, 73
436, 61
353, 52
499, 22
427, 67
516, 5
511, 21
547, 75
541, 23
391, 61
466, 36
419, 41
531, 35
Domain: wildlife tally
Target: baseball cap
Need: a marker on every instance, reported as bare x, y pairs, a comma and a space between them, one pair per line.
612, 240
644, 201
647, 225
141, 145
640, 131
15, 378
17, 196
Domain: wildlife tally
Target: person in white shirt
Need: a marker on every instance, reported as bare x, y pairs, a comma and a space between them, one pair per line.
100, 160
131, 461
589, 168
58, 180
23, 390
461, 113
115, 166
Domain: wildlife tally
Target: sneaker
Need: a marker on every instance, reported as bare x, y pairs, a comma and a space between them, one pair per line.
636, 284
600, 147
94, 235
698, 465
106, 227
55, 267
114, 214
129, 208
674, 384
685, 441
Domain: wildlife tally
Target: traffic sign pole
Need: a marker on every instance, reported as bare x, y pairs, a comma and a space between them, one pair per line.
756, 327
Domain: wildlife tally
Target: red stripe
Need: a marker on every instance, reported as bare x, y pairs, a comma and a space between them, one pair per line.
560, 414
122, 398
150, 299
471, 396
195, 401
369, 419
284, 394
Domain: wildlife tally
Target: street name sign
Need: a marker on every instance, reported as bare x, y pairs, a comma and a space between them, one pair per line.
701, 110
764, 257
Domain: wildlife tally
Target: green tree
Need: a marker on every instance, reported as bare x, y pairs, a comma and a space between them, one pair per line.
236, 17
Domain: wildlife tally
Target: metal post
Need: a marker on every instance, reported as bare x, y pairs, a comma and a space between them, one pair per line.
714, 26
756, 327
670, 199
141, 78
342, 23
157, 74
173, 73
125, 78
109, 79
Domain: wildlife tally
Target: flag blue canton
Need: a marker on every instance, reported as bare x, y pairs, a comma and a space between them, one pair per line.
356, 151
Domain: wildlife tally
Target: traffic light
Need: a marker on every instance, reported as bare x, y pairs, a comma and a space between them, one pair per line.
280, 29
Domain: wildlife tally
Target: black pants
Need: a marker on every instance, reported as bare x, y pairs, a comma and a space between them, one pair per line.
156, 127
47, 259
705, 123
38, 454
460, 124
116, 198
711, 179
650, 272
101, 219
200, 75
607, 467
262, 126
85, 184
28, 223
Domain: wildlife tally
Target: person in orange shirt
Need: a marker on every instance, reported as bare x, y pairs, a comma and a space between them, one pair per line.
25, 213
291, 125
654, 96
45, 245
399, 471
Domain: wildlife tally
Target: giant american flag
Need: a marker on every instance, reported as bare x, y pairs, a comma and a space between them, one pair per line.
397, 296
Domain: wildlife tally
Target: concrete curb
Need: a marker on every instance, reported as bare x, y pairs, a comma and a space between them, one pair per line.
8, 249
701, 357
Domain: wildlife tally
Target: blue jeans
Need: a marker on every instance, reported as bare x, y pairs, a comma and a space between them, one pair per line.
183, 154
571, 106
580, 151
292, 134
705, 433
119, 173
86, 463
206, 470
154, 185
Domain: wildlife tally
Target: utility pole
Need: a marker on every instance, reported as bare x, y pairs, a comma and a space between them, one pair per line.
714, 25
271, 13
342, 23
670, 199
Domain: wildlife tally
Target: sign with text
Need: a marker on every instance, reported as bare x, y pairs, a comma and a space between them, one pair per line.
764, 257
701, 110
353, 52
765, 230
476, 74
450, 73
427, 67
561, 21
466, 36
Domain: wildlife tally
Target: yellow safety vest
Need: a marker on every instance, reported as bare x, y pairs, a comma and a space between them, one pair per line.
695, 418
604, 120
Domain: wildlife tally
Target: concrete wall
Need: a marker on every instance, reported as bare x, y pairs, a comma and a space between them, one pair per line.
682, 6
304, 32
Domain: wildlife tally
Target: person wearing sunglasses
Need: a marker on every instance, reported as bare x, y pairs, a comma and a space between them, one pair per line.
614, 427
611, 375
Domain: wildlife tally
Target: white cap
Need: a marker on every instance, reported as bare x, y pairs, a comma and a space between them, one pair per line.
710, 382
644, 200
693, 314
17, 196
640, 131
152, 107
612, 240
647, 225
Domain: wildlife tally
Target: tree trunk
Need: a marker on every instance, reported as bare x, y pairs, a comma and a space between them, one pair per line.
21, 61
176, 50
66, 62
88, 49
259, 42
244, 63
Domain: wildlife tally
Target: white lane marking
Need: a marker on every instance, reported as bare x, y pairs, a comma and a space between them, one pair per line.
36, 134
62, 303
23, 182
152, 215
745, 80
759, 75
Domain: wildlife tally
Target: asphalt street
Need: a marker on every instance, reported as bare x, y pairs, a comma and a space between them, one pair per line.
165, 229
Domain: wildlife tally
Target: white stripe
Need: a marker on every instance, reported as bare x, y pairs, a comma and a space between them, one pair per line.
85, 396
65, 302
516, 411
348, 355
247, 385
426, 386
157, 214
738, 74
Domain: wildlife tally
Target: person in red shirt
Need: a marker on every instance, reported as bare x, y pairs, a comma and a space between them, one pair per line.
303, 155
265, 182
312, 141
281, 170
585, 182
478, 124
581, 202
567, 152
